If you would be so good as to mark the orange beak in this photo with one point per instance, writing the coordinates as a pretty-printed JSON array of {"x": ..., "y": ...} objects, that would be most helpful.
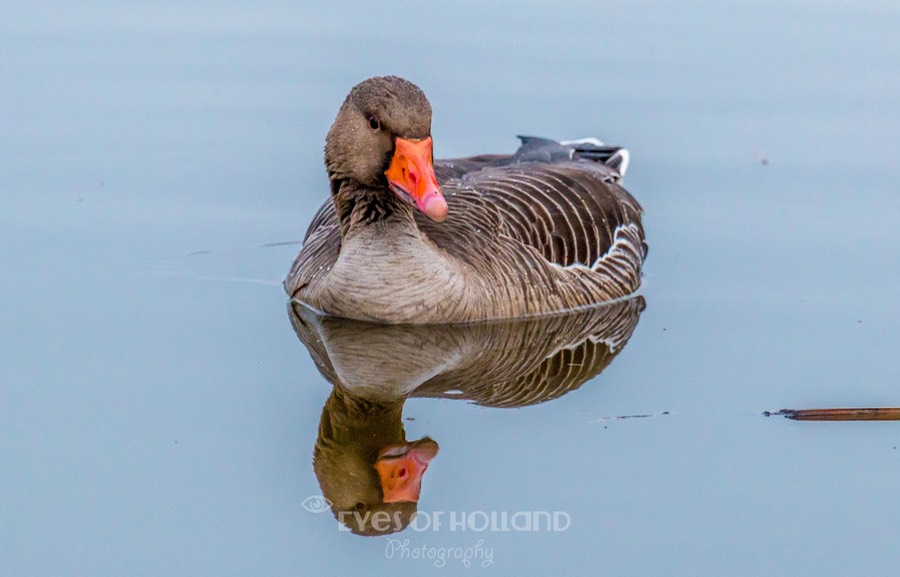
[
  {"x": 411, "y": 176},
  {"x": 401, "y": 467}
]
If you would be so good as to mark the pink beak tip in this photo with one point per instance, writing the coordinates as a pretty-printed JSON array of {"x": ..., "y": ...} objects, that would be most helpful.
[{"x": 435, "y": 207}]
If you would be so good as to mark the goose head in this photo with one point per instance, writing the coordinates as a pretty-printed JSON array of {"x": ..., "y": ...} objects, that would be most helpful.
[{"x": 381, "y": 141}]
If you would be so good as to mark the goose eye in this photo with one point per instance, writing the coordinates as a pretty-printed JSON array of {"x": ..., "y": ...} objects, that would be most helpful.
[{"x": 373, "y": 123}]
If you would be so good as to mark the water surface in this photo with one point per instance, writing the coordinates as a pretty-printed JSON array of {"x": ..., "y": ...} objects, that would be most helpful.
[{"x": 159, "y": 165}]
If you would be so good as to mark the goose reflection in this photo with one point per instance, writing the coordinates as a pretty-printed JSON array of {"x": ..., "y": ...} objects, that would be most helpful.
[{"x": 367, "y": 469}]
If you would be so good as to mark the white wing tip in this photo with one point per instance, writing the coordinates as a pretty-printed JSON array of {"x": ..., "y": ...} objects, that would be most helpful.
[
  {"x": 618, "y": 161},
  {"x": 624, "y": 159}
]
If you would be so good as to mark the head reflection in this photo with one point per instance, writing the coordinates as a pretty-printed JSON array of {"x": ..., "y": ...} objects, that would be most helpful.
[
  {"x": 371, "y": 474},
  {"x": 361, "y": 460}
]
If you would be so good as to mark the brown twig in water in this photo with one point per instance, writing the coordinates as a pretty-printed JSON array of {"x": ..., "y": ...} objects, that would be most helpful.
[{"x": 867, "y": 414}]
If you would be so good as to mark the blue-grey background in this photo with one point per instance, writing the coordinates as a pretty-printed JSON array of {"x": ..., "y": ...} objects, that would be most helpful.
[{"x": 157, "y": 413}]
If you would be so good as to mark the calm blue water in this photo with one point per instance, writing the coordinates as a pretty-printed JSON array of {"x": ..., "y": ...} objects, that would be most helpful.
[{"x": 158, "y": 413}]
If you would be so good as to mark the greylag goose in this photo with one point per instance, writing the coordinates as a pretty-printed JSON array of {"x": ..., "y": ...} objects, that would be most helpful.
[{"x": 405, "y": 239}]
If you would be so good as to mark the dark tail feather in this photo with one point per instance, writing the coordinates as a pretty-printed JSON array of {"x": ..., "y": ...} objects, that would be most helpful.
[
  {"x": 536, "y": 148},
  {"x": 615, "y": 157}
]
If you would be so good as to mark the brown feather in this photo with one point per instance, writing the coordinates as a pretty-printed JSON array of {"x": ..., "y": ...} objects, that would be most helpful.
[{"x": 545, "y": 230}]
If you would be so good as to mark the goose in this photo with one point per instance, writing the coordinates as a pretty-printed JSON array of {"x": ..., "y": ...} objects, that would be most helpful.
[{"x": 405, "y": 239}]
